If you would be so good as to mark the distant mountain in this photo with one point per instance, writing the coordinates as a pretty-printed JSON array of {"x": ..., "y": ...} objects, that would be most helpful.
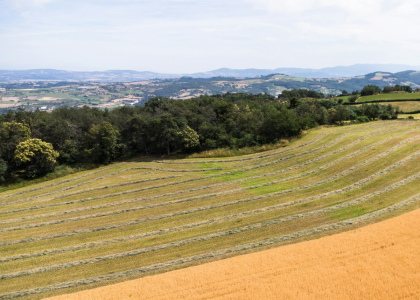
[
  {"x": 333, "y": 72},
  {"x": 129, "y": 75}
]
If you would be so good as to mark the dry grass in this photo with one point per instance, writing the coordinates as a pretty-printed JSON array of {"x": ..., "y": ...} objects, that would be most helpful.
[
  {"x": 379, "y": 261},
  {"x": 405, "y": 116}
]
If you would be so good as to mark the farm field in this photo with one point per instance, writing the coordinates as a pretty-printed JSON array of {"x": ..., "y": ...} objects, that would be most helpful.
[
  {"x": 390, "y": 96},
  {"x": 134, "y": 219},
  {"x": 334, "y": 267},
  {"x": 405, "y": 116}
]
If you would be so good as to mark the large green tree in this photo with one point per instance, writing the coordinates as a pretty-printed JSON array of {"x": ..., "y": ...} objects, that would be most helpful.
[
  {"x": 11, "y": 134},
  {"x": 34, "y": 158},
  {"x": 101, "y": 143}
]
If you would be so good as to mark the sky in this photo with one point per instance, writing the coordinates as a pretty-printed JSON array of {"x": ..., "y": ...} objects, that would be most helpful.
[{"x": 186, "y": 36}]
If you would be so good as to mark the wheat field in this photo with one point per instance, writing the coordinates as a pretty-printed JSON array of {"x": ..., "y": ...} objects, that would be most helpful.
[
  {"x": 376, "y": 262},
  {"x": 134, "y": 219}
]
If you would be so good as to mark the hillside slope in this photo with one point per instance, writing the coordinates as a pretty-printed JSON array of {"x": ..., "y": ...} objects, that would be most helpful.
[{"x": 132, "y": 219}]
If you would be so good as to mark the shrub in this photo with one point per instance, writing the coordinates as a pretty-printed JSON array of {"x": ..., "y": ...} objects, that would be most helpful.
[
  {"x": 385, "y": 116},
  {"x": 410, "y": 117},
  {"x": 353, "y": 98},
  {"x": 362, "y": 119}
]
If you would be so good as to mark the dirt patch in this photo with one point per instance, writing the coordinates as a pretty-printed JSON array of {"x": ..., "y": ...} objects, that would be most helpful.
[
  {"x": 380, "y": 76},
  {"x": 16, "y": 99},
  {"x": 379, "y": 261},
  {"x": 3, "y": 105},
  {"x": 49, "y": 99}
]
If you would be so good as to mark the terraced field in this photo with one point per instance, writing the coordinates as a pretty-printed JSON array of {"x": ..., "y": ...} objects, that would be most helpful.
[{"x": 134, "y": 219}]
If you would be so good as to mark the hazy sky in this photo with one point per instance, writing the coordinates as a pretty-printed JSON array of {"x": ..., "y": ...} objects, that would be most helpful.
[{"x": 181, "y": 36}]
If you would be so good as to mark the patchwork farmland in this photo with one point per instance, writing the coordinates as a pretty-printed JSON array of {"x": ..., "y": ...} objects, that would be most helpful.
[{"x": 135, "y": 219}]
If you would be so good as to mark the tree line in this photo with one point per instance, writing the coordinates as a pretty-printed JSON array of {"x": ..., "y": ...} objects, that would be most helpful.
[{"x": 32, "y": 143}]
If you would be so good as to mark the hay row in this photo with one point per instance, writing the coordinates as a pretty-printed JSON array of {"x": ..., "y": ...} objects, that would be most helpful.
[
  {"x": 204, "y": 177},
  {"x": 160, "y": 217},
  {"x": 98, "y": 171},
  {"x": 335, "y": 141},
  {"x": 212, "y": 235},
  {"x": 222, "y": 183},
  {"x": 212, "y": 185},
  {"x": 317, "y": 138},
  {"x": 213, "y": 254},
  {"x": 59, "y": 182},
  {"x": 93, "y": 189},
  {"x": 112, "y": 213},
  {"x": 349, "y": 188}
]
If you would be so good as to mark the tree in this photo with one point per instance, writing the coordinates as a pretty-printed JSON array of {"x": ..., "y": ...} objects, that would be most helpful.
[
  {"x": 102, "y": 143},
  {"x": 370, "y": 90},
  {"x": 294, "y": 102},
  {"x": 279, "y": 124},
  {"x": 372, "y": 111},
  {"x": 353, "y": 99},
  {"x": 34, "y": 158},
  {"x": 189, "y": 137},
  {"x": 3, "y": 170},
  {"x": 168, "y": 131},
  {"x": 136, "y": 135},
  {"x": 344, "y": 92},
  {"x": 388, "y": 89},
  {"x": 11, "y": 134}
]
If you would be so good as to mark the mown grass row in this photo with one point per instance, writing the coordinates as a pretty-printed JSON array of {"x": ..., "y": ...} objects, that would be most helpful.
[{"x": 351, "y": 187}]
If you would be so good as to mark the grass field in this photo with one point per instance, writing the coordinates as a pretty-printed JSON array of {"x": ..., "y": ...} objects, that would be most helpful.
[
  {"x": 134, "y": 219},
  {"x": 390, "y": 97},
  {"x": 405, "y": 116}
]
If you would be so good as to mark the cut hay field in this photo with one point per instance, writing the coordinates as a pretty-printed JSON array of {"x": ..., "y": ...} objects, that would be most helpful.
[{"x": 135, "y": 219}]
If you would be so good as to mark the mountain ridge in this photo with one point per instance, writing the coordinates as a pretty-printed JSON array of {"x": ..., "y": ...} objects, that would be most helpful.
[{"x": 132, "y": 75}]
